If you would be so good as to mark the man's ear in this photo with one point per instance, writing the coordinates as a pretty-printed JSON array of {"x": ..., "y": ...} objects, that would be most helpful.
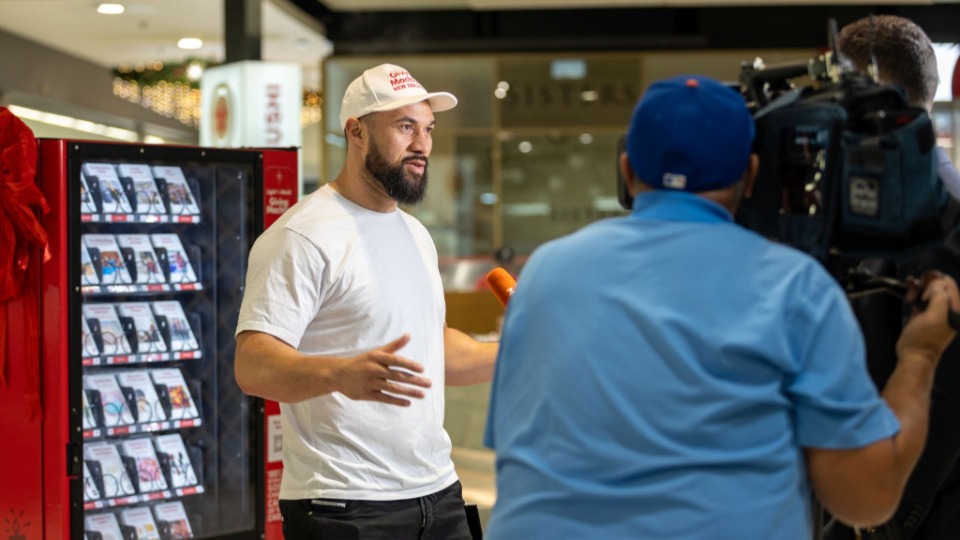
[
  {"x": 353, "y": 131},
  {"x": 750, "y": 175},
  {"x": 626, "y": 172}
]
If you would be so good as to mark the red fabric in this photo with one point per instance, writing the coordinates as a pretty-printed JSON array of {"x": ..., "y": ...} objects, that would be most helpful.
[
  {"x": 956, "y": 81},
  {"x": 21, "y": 238}
]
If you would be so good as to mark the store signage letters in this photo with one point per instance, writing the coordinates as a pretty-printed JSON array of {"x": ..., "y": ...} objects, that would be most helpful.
[
  {"x": 273, "y": 118},
  {"x": 566, "y": 94}
]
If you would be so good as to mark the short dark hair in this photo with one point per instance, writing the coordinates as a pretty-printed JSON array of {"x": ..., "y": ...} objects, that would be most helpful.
[{"x": 903, "y": 52}]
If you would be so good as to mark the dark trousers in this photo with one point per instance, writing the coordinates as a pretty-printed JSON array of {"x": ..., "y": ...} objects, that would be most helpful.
[{"x": 439, "y": 516}]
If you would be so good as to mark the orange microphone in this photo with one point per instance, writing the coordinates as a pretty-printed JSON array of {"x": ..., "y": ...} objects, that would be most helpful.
[{"x": 502, "y": 284}]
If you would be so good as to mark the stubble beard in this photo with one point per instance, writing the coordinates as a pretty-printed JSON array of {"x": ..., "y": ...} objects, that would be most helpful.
[{"x": 401, "y": 186}]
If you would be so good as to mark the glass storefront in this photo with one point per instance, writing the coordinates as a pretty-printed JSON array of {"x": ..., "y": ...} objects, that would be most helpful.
[{"x": 529, "y": 154}]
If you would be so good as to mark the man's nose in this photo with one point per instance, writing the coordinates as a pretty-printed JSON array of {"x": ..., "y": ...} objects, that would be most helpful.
[{"x": 422, "y": 142}]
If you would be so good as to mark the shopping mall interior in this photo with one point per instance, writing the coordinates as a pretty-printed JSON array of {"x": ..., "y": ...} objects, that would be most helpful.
[{"x": 545, "y": 89}]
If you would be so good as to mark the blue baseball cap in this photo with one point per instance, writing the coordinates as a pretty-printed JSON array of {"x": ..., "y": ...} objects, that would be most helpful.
[{"x": 690, "y": 133}]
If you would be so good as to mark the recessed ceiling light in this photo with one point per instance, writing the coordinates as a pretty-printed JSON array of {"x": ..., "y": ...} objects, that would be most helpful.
[
  {"x": 110, "y": 9},
  {"x": 190, "y": 43}
]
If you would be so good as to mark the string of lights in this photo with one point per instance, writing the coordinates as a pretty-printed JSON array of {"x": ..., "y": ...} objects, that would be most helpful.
[{"x": 173, "y": 90}]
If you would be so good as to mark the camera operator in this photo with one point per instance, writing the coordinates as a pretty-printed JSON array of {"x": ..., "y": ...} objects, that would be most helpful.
[
  {"x": 670, "y": 374},
  {"x": 905, "y": 58},
  {"x": 930, "y": 507}
]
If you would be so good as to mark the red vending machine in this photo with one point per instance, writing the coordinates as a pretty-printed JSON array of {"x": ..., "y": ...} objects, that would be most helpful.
[{"x": 144, "y": 434}]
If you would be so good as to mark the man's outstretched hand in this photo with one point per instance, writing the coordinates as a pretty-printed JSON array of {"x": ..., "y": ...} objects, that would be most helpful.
[{"x": 380, "y": 375}]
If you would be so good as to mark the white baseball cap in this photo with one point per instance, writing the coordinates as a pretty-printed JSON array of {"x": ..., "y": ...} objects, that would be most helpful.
[{"x": 385, "y": 88}]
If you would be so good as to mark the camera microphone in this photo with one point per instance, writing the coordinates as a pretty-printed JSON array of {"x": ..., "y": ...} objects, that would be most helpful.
[{"x": 502, "y": 284}]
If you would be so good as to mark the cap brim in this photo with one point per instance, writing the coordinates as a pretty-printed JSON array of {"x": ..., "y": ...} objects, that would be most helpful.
[{"x": 439, "y": 101}]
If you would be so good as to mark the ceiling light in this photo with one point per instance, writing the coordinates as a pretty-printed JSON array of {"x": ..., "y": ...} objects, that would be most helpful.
[
  {"x": 110, "y": 9},
  {"x": 190, "y": 43},
  {"x": 74, "y": 123},
  {"x": 573, "y": 68}
]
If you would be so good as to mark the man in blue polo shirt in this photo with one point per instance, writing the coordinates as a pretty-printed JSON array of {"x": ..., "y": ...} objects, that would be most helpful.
[{"x": 672, "y": 375}]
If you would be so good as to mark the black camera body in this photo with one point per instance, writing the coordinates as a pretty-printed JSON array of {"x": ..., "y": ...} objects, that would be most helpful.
[{"x": 848, "y": 168}]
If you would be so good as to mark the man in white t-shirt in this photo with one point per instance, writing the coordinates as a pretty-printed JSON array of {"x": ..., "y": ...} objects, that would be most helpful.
[{"x": 343, "y": 323}]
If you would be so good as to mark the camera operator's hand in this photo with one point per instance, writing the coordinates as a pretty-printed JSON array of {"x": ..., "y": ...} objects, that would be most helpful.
[
  {"x": 929, "y": 331},
  {"x": 864, "y": 485}
]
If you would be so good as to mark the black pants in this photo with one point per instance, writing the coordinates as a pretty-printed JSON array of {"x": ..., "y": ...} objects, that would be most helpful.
[{"x": 439, "y": 516}]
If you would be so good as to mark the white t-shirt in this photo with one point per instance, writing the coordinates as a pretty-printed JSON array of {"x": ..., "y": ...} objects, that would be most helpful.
[{"x": 332, "y": 278}]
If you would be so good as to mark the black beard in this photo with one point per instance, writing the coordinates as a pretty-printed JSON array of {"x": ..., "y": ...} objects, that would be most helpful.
[{"x": 400, "y": 186}]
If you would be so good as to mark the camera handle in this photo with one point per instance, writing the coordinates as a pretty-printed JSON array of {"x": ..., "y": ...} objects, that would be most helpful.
[{"x": 863, "y": 283}]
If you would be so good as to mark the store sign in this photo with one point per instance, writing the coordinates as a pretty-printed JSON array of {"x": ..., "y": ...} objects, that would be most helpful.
[
  {"x": 566, "y": 95},
  {"x": 251, "y": 104},
  {"x": 571, "y": 92},
  {"x": 273, "y": 115},
  {"x": 221, "y": 114}
]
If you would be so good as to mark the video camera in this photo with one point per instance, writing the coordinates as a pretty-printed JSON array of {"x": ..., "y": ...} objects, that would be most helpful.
[{"x": 848, "y": 169}]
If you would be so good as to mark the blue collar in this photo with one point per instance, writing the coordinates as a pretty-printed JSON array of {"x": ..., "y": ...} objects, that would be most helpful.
[{"x": 664, "y": 205}]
